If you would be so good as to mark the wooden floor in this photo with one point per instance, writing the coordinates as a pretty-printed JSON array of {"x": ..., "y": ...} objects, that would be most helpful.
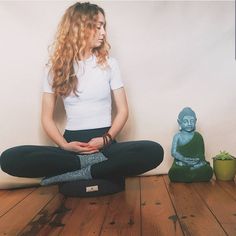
[{"x": 149, "y": 206}]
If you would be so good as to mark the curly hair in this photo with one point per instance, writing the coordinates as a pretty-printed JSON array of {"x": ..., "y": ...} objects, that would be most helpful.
[{"x": 74, "y": 30}]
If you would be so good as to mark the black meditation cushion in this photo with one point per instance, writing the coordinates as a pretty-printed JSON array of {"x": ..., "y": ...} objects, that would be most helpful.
[{"x": 92, "y": 187}]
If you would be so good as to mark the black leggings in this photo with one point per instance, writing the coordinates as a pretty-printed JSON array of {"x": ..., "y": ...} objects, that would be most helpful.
[{"x": 124, "y": 159}]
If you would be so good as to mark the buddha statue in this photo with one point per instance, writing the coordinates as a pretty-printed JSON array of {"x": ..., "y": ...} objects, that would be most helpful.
[{"x": 189, "y": 152}]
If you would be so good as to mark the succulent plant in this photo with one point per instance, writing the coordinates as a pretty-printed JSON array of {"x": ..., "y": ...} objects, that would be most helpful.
[{"x": 223, "y": 155}]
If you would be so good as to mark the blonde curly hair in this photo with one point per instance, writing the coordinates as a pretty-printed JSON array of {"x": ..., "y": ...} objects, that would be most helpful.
[{"x": 74, "y": 30}]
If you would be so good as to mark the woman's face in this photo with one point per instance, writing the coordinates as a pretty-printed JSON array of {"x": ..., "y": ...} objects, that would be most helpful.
[{"x": 97, "y": 37}]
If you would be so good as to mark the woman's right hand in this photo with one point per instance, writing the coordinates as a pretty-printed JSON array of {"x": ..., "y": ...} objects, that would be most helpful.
[{"x": 80, "y": 147}]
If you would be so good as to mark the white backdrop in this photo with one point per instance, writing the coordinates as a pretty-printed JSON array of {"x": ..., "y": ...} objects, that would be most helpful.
[{"x": 172, "y": 54}]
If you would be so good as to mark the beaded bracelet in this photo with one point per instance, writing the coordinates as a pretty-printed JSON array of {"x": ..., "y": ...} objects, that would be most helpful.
[{"x": 107, "y": 139}]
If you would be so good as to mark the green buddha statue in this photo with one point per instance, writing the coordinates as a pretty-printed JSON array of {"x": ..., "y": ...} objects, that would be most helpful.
[{"x": 189, "y": 152}]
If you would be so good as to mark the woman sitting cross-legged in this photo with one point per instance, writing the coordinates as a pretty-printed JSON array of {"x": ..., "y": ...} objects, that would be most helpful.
[{"x": 83, "y": 74}]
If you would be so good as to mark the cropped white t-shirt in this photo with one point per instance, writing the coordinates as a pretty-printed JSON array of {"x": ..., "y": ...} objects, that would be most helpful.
[{"x": 92, "y": 108}]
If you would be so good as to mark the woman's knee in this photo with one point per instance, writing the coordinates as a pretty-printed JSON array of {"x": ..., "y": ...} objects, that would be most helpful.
[
  {"x": 154, "y": 153},
  {"x": 5, "y": 159},
  {"x": 10, "y": 159}
]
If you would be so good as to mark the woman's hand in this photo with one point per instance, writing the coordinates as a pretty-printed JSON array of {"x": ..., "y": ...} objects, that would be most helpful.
[
  {"x": 80, "y": 147},
  {"x": 96, "y": 142}
]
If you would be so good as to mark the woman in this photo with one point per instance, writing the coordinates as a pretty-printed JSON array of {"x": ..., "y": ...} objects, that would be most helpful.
[{"x": 87, "y": 79}]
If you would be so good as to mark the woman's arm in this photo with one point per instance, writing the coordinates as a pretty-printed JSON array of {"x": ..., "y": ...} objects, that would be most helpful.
[
  {"x": 120, "y": 101},
  {"x": 122, "y": 111},
  {"x": 48, "y": 106}
]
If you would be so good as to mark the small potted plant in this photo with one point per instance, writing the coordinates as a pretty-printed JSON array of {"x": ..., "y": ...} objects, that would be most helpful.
[{"x": 224, "y": 166}]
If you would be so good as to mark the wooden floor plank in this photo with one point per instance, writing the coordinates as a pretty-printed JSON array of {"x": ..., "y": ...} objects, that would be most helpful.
[
  {"x": 158, "y": 215},
  {"x": 62, "y": 216},
  {"x": 222, "y": 204},
  {"x": 39, "y": 225},
  {"x": 195, "y": 217},
  {"x": 229, "y": 187},
  {"x": 9, "y": 198},
  {"x": 87, "y": 217},
  {"x": 18, "y": 217},
  {"x": 123, "y": 215}
]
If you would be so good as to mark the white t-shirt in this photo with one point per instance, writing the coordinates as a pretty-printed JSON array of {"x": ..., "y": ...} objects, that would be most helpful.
[{"x": 92, "y": 108}]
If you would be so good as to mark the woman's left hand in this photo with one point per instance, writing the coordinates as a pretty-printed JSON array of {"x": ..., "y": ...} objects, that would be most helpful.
[{"x": 96, "y": 142}]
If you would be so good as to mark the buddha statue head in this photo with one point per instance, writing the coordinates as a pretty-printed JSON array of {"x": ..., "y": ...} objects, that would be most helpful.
[{"x": 187, "y": 120}]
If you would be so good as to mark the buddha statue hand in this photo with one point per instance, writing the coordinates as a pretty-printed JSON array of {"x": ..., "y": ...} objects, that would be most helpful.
[
  {"x": 187, "y": 161},
  {"x": 198, "y": 165}
]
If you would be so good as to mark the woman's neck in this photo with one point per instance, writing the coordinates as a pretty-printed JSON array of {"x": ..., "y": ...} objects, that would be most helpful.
[{"x": 87, "y": 55}]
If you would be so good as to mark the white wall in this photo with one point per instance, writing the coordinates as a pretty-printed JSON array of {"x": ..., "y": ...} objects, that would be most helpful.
[{"x": 172, "y": 54}]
